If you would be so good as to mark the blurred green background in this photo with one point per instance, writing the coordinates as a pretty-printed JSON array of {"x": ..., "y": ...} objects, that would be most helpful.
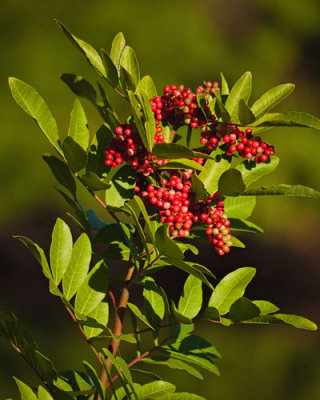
[{"x": 176, "y": 42}]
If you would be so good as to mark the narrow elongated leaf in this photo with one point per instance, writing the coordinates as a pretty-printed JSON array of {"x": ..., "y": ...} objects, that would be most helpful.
[
  {"x": 200, "y": 360},
  {"x": 251, "y": 172},
  {"x": 34, "y": 105},
  {"x": 95, "y": 379},
  {"x": 265, "y": 307},
  {"x": 86, "y": 49},
  {"x": 78, "y": 129},
  {"x": 241, "y": 90},
  {"x": 93, "y": 290},
  {"x": 243, "y": 225},
  {"x": 60, "y": 250},
  {"x": 166, "y": 245},
  {"x": 285, "y": 319},
  {"x": 118, "y": 45},
  {"x": 61, "y": 172},
  {"x": 212, "y": 171},
  {"x": 290, "y": 118},
  {"x": 25, "y": 391},
  {"x": 136, "y": 116},
  {"x": 182, "y": 163},
  {"x": 155, "y": 389},
  {"x": 245, "y": 114},
  {"x": 172, "y": 151},
  {"x": 43, "y": 394},
  {"x": 74, "y": 153},
  {"x": 38, "y": 253},
  {"x": 231, "y": 183},
  {"x": 146, "y": 217},
  {"x": 243, "y": 309},
  {"x": 225, "y": 116},
  {"x": 73, "y": 380},
  {"x": 178, "y": 316},
  {"x": 191, "y": 300},
  {"x": 194, "y": 269},
  {"x": 136, "y": 311},
  {"x": 99, "y": 314},
  {"x": 78, "y": 266},
  {"x": 147, "y": 86},
  {"x": 80, "y": 86},
  {"x": 174, "y": 363},
  {"x": 231, "y": 288},
  {"x": 224, "y": 85},
  {"x": 110, "y": 68},
  {"x": 153, "y": 301},
  {"x": 129, "y": 62},
  {"x": 271, "y": 98},
  {"x": 150, "y": 124},
  {"x": 93, "y": 182},
  {"x": 239, "y": 206},
  {"x": 284, "y": 190}
]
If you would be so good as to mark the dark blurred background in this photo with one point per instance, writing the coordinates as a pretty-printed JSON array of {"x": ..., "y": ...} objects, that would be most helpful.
[{"x": 176, "y": 42}]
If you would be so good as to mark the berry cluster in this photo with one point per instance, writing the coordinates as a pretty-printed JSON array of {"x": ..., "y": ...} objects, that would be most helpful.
[
  {"x": 174, "y": 202},
  {"x": 235, "y": 141},
  {"x": 127, "y": 146},
  {"x": 171, "y": 198}
]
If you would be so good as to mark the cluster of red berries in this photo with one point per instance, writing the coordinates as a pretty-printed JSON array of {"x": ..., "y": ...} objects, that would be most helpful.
[
  {"x": 235, "y": 141},
  {"x": 127, "y": 146},
  {"x": 174, "y": 202},
  {"x": 178, "y": 106}
]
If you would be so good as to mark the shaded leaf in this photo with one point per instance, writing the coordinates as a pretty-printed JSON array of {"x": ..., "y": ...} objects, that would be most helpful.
[
  {"x": 129, "y": 62},
  {"x": 285, "y": 319},
  {"x": 110, "y": 68},
  {"x": 252, "y": 171},
  {"x": 245, "y": 114},
  {"x": 75, "y": 155},
  {"x": 61, "y": 172},
  {"x": 243, "y": 309},
  {"x": 167, "y": 246},
  {"x": 80, "y": 86},
  {"x": 231, "y": 183}
]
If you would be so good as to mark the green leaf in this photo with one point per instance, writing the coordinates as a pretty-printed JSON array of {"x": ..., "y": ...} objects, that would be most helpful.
[
  {"x": 224, "y": 85},
  {"x": 191, "y": 300},
  {"x": 290, "y": 118},
  {"x": 25, "y": 391},
  {"x": 126, "y": 80},
  {"x": 147, "y": 86},
  {"x": 231, "y": 288},
  {"x": 194, "y": 269},
  {"x": 38, "y": 253},
  {"x": 212, "y": 171},
  {"x": 146, "y": 217},
  {"x": 237, "y": 242},
  {"x": 244, "y": 226},
  {"x": 61, "y": 172},
  {"x": 153, "y": 301},
  {"x": 271, "y": 98},
  {"x": 245, "y": 114},
  {"x": 122, "y": 187},
  {"x": 93, "y": 182},
  {"x": 60, "y": 250},
  {"x": 93, "y": 290},
  {"x": 80, "y": 86},
  {"x": 182, "y": 163},
  {"x": 241, "y": 90},
  {"x": 75, "y": 155},
  {"x": 95, "y": 379},
  {"x": 34, "y": 105},
  {"x": 285, "y": 319},
  {"x": 78, "y": 129},
  {"x": 155, "y": 389},
  {"x": 136, "y": 311},
  {"x": 243, "y": 309},
  {"x": 43, "y": 394},
  {"x": 99, "y": 314},
  {"x": 284, "y": 190},
  {"x": 212, "y": 313},
  {"x": 73, "y": 381},
  {"x": 118, "y": 45},
  {"x": 231, "y": 183},
  {"x": 265, "y": 307},
  {"x": 222, "y": 109},
  {"x": 181, "y": 396},
  {"x": 86, "y": 49},
  {"x": 78, "y": 266},
  {"x": 239, "y": 207},
  {"x": 198, "y": 188},
  {"x": 136, "y": 112},
  {"x": 252, "y": 171},
  {"x": 173, "y": 364},
  {"x": 172, "y": 151},
  {"x": 167, "y": 246},
  {"x": 110, "y": 68},
  {"x": 129, "y": 62},
  {"x": 179, "y": 318}
]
